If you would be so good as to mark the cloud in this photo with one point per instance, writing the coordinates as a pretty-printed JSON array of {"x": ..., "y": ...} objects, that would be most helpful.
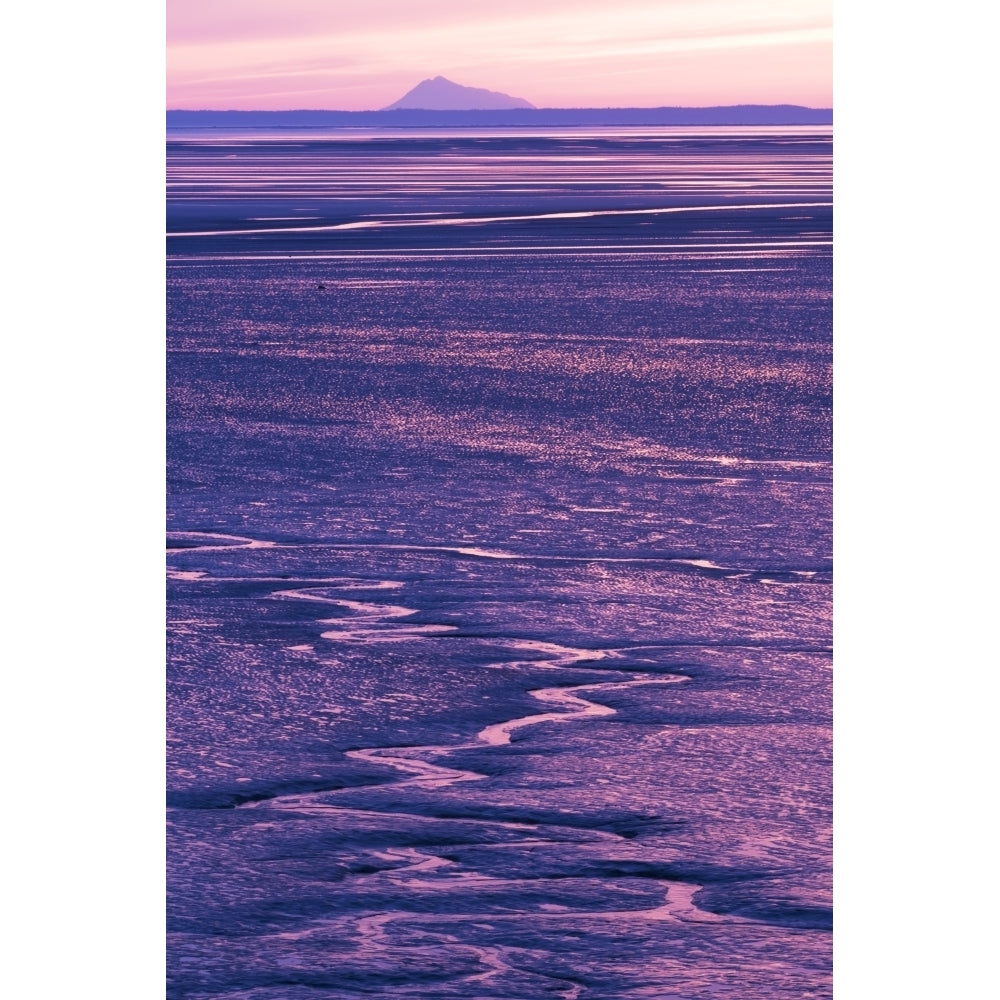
[{"x": 526, "y": 47}]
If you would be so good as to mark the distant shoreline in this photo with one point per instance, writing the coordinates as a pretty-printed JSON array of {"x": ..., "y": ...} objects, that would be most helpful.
[{"x": 737, "y": 114}]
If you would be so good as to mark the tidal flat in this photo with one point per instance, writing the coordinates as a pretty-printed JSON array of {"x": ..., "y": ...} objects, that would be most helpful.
[{"x": 499, "y": 564}]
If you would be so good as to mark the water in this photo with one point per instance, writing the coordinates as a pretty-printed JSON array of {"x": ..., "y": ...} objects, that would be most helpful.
[{"x": 499, "y": 564}]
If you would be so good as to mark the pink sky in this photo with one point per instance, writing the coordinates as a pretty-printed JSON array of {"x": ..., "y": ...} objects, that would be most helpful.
[{"x": 364, "y": 54}]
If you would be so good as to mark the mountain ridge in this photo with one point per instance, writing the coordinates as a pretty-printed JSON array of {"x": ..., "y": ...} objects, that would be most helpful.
[{"x": 440, "y": 94}]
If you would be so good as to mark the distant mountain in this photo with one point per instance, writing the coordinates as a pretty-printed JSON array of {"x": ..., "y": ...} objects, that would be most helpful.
[{"x": 440, "y": 94}]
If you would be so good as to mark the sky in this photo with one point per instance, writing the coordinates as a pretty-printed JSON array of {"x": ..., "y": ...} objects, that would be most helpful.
[{"x": 350, "y": 56}]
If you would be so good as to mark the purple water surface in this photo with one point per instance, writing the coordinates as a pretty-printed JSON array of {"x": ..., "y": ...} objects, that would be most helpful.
[{"x": 499, "y": 565}]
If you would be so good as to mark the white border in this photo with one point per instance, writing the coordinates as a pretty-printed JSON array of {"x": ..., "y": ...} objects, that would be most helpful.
[
  {"x": 83, "y": 407},
  {"x": 914, "y": 505}
]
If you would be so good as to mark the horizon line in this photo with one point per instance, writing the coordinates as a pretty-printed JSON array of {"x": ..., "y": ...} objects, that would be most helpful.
[{"x": 610, "y": 107}]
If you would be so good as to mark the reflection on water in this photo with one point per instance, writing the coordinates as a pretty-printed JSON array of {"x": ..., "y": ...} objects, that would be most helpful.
[
  {"x": 498, "y": 186},
  {"x": 499, "y": 564}
]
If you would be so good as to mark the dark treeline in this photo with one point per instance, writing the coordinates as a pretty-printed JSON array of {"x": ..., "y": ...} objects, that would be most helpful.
[{"x": 740, "y": 114}]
